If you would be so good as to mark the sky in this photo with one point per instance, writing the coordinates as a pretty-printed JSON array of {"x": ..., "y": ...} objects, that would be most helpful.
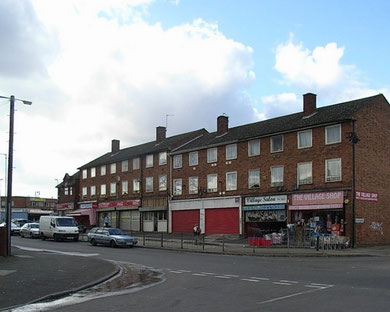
[{"x": 100, "y": 70}]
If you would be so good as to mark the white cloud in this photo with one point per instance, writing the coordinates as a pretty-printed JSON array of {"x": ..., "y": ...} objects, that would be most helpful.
[{"x": 281, "y": 104}]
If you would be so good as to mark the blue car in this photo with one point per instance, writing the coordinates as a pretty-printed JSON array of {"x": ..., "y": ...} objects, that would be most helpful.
[{"x": 112, "y": 237}]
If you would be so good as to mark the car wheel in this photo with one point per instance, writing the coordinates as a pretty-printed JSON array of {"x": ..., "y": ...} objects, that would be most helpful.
[
  {"x": 112, "y": 244},
  {"x": 93, "y": 242}
]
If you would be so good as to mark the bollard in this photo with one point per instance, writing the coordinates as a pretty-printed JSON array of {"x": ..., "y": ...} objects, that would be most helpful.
[
  {"x": 318, "y": 243},
  {"x": 143, "y": 236},
  {"x": 223, "y": 243},
  {"x": 181, "y": 240},
  {"x": 203, "y": 242},
  {"x": 162, "y": 239}
]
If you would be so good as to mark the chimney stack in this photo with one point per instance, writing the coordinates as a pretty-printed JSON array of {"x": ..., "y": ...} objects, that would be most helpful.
[
  {"x": 160, "y": 134},
  {"x": 309, "y": 103},
  {"x": 222, "y": 124},
  {"x": 115, "y": 146}
]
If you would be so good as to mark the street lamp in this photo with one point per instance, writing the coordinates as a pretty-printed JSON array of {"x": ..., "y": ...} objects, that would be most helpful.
[{"x": 10, "y": 165}]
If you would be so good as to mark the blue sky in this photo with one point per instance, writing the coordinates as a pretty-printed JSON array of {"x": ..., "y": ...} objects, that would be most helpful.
[{"x": 101, "y": 70}]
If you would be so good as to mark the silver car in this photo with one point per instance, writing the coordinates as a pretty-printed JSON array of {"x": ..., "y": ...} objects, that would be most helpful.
[
  {"x": 15, "y": 228},
  {"x": 30, "y": 230},
  {"x": 111, "y": 237}
]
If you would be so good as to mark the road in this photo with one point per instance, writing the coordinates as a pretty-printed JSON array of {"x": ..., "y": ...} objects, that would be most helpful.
[{"x": 205, "y": 282}]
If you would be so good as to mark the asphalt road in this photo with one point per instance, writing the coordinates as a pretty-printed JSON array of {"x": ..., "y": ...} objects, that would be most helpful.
[{"x": 205, "y": 282}]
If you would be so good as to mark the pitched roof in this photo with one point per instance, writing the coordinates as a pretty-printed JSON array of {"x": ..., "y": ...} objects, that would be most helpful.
[
  {"x": 72, "y": 179},
  {"x": 143, "y": 149},
  {"x": 322, "y": 115}
]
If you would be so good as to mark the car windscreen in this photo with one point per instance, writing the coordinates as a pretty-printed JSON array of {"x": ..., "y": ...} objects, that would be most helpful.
[
  {"x": 65, "y": 222},
  {"x": 116, "y": 232},
  {"x": 34, "y": 226}
]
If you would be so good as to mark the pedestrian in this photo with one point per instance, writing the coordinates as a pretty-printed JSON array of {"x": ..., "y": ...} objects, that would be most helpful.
[
  {"x": 197, "y": 232},
  {"x": 106, "y": 221}
]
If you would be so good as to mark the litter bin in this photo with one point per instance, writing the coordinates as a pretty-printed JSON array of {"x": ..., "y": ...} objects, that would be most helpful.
[{"x": 3, "y": 241}]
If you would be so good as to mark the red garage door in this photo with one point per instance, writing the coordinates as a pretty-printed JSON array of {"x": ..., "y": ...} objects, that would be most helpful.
[
  {"x": 222, "y": 221},
  {"x": 183, "y": 221}
]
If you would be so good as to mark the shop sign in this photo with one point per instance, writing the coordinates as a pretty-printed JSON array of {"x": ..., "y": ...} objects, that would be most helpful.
[
  {"x": 370, "y": 196},
  {"x": 88, "y": 205},
  {"x": 359, "y": 220},
  {"x": 266, "y": 200},
  {"x": 318, "y": 198},
  {"x": 122, "y": 203},
  {"x": 264, "y": 207},
  {"x": 64, "y": 206}
]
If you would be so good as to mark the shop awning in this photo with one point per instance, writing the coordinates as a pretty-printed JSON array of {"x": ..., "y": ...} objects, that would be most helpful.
[
  {"x": 316, "y": 207},
  {"x": 78, "y": 212},
  {"x": 40, "y": 212}
]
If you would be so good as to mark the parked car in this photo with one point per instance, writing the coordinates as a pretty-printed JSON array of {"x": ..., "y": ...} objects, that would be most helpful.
[
  {"x": 111, "y": 237},
  {"x": 20, "y": 221},
  {"x": 58, "y": 228},
  {"x": 15, "y": 228},
  {"x": 30, "y": 230}
]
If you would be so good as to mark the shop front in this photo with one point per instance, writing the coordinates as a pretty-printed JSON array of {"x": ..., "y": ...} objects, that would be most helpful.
[
  {"x": 62, "y": 209},
  {"x": 321, "y": 212},
  {"x": 85, "y": 215},
  {"x": 265, "y": 214}
]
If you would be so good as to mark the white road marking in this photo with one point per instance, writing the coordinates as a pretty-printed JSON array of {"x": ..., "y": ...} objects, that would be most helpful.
[
  {"x": 198, "y": 274},
  {"x": 286, "y": 281},
  {"x": 6, "y": 272},
  {"x": 250, "y": 280},
  {"x": 260, "y": 278},
  {"x": 222, "y": 276},
  {"x": 280, "y": 283},
  {"x": 184, "y": 271},
  {"x": 176, "y": 272},
  {"x": 79, "y": 254},
  {"x": 230, "y": 275},
  {"x": 207, "y": 273}
]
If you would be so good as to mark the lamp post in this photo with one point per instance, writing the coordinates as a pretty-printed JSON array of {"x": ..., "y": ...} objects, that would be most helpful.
[{"x": 10, "y": 166}]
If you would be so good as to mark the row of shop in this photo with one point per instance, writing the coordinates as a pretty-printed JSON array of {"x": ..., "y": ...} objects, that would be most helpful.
[{"x": 251, "y": 215}]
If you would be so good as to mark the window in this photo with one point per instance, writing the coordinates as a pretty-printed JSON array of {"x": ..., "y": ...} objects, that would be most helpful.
[
  {"x": 85, "y": 174},
  {"x": 304, "y": 173},
  {"x": 193, "y": 159},
  {"x": 333, "y": 134},
  {"x": 149, "y": 184},
  {"x": 162, "y": 158},
  {"x": 254, "y": 148},
  {"x": 231, "y": 151},
  {"x": 162, "y": 183},
  {"x": 93, "y": 191},
  {"x": 125, "y": 187},
  {"x": 148, "y": 216},
  {"x": 103, "y": 190},
  {"x": 66, "y": 191},
  {"x": 149, "y": 161},
  {"x": 84, "y": 191},
  {"x": 231, "y": 181},
  {"x": 254, "y": 178},
  {"x": 112, "y": 188},
  {"x": 211, "y": 183},
  {"x": 193, "y": 185},
  {"x": 136, "y": 163},
  {"x": 177, "y": 161},
  {"x": 277, "y": 176},
  {"x": 71, "y": 191},
  {"x": 93, "y": 172},
  {"x": 125, "y": 165},
  {"x": 103, "y": 170},
  {"x": 304, "y": 139},
  {"x": 162, "y": 215},
  {"x": 177, "y": 187},
  {"x": 113, "y": 168},
  {"x": 277, "y": 144},
  {"x": 333, "y": 170},
  {"x": 212, "y": 155},
  {"x": 136, "y": 185}
]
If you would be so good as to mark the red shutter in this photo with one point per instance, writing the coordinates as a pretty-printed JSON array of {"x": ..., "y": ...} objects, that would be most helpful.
[
  {"x": 222, "y": 221},
  {"x": 183, "y": 221}
]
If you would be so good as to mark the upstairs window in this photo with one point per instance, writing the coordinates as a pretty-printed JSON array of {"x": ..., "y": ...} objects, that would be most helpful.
[
  {"x": 333, "y": 170},
  {"x": 84, "y": 191},
  {"x": 212, "y": 183},
  {"x": 177, "y": 187},
  {"x": 103, "y": 170},
  {"x": 162, "y": 183},
  {"x": 333, "y": 134},
  {"x": 113, "y": 168},
  {"x": 93, "y": 191},
  {"x": 212, "y": 155},
  {"x": 93, "y": 172},
  {"x": 193, "y": 159},
  {"x": 162, "y": 158},
  {"x": 177, "y": 161},
  {"x": 136, "y": 185},
  {"x": 103, "y": 190},
  {"x": 231, "y": 151},
  {"x": 149, "y": 161},
  {"x": 277, "y": 144},
  {"x": 277, "y": 176},
  {"x": 85, "y": 174},
  {"x": 254, "y": 178},
  {"x": 113, "y": 189},
  {"x": 254, "y": 148},
  {"x": 125, "y": 165},
  {"x": 136, "y": 162},
  {"x": 125, "y": 187},
  {"x": 304, "y": 173},
  {"x": 304, "y": 139},
  {"x": 149, "y": 184},
  {"x": 231, "y": 181},
  {"x": 193, "y": 185}
]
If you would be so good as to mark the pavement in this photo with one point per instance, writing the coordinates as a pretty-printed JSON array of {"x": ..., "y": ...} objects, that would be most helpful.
[{"x": 28, "y": 277}]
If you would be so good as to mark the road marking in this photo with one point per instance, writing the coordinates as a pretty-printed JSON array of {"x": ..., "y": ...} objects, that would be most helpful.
[
  {"x": 250, "y": 280},
  {"x": 286, "y": 281},
  {"x": 280, "y": 283},
  {"x": 230, "y": 275},
  {"x": 184, "y": 271},
  {"x": 322, "y": 285},
  {"x": 222, "y": 276},
  {"x": 207, "y": 273},
  {"x": 176, "y": 272},
  {"x": 79, "y": 254},
  {"x": 260, "y": 278},
  {"x": 24, "y": 256},
  {"x": 198, "y": 274},
  {"x": 6, "y": 272}
]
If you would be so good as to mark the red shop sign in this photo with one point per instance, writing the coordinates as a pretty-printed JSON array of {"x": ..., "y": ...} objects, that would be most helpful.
[
  {"x": 122, "y": 203},
  {"x": 370, "y": 196}
]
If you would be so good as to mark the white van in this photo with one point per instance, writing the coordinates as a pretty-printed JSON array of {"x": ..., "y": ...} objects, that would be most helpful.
[{"x": 58, "y": 228}]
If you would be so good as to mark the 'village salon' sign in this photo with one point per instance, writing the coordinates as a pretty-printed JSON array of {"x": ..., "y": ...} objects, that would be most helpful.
[
  {"x": 266, "y": 200},
  {"x": 336, "y": 197}
]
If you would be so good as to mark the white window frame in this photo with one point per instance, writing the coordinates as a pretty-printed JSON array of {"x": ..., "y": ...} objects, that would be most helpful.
[
  {"x": 125, "y": 165},
  {"x": 93, "y": 172},
  {"x": 85, "y": 174},
  {"x": 193, "y": 158},
  {"x": 253, "y": 148},
  {"x": 300, "y": 146},
  {"x": 308, "y": 180},
  {"x": 177, "y": 187},
  {"x": 231, "y": 151},
  {"x": 212, "y": 155},
  {"x": 177, "y": 161},
  {"x": 276, "y": 183},
  {"x": 84, "y": 191},
  {"x": 272, "y": 143},
  {"x": 103, "y": 190},
  {"x": 193, "y": 185},
  {"x": 136, "y": 163},
  {"x": 212, "y": 189},
  {"x": 112, "y": 189},
  {"x": 162, "y": 182},
  {"x": 231, "y": 175},
  {"x": 136, "y": 185},
  {"x": 149, "y": 161},
  {"x": 252, "y": 184},
  {"x": 113, "y": 168},
  {"x": 333, "y": 179},
  {"x": 326, "y": 134},
  {"x": 93, "y": 190},
  {"x": 103, "y": 170},
  {"x": 149, "y": 184},
  {"x": 162, "y": 158},
  {"x": 125, "y": 187}
]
